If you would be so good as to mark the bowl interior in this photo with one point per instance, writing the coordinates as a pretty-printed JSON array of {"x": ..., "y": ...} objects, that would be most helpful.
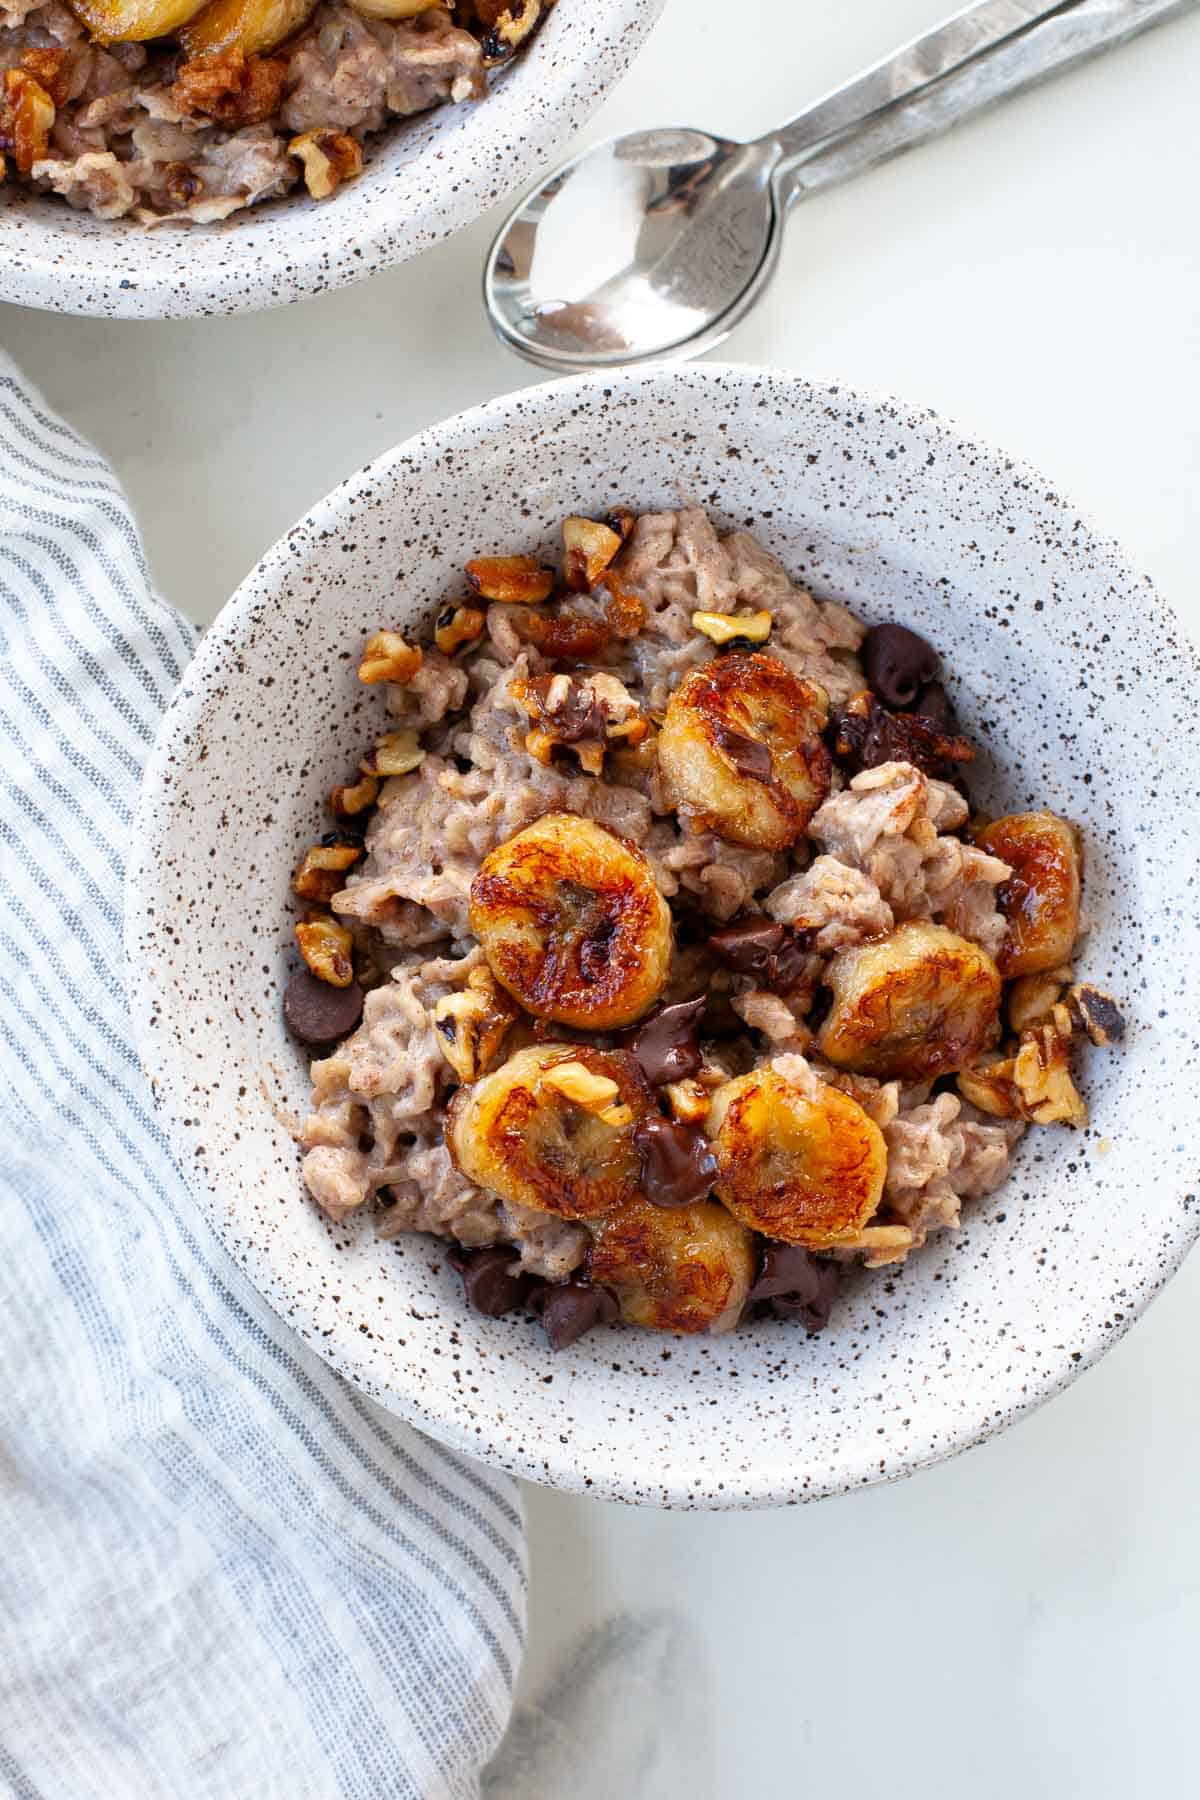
[
  {"x": 425, "y": 178},
  {"x": 1051, "y": 642}
]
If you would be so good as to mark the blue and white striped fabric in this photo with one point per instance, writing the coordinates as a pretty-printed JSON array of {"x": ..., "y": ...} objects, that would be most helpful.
[{"x": 222, "y": 1571}]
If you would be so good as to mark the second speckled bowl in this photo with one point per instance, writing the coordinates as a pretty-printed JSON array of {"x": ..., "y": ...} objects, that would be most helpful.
[
  {"x": 425, "y": 177},
  {"x": 1063, "y": 661}
]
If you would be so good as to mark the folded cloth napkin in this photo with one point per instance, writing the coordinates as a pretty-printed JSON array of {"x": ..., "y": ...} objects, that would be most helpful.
[{"x": 223, "y": 1572}]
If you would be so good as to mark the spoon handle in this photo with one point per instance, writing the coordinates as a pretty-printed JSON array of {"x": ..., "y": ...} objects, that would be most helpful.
[
  {"x": 914, "y": 66},
  {"x": 1067, "y": 36}
]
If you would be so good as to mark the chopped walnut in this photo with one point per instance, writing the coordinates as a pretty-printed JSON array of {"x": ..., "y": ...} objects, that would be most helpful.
[
  {"x": 329, "y": 158},
  {"x": 51, "y": 69},
  {"x": 522, "y": 580},
  {"x": 1035, "y": 1084},
  {"x": 230, "y": 87},
  {"x": 386, "y": 657},
  {"x": 589, "y": 548},
  {"x": 457, "y": 626},
  {"x": 1032, "y": 998},
  {"x": 472, "y": 1024},
  {"x": 395, "y": 753},
  {"x": 1097, "y": 1013},
  {"x": 690, "y": 1101},
  {"x": 326, "y": 946},
  {"x": 580, "y": 714},
  {"x": 512, "y": 26},
  {"x": 317, "y": 878},
  {"x": 1042, "y": 1078},
  {"x": 723, "y": 628},
  {"x": 27, "y": 119},
  {"x": 348, "y": 801},
  {"x": 574, "y": 1080}
]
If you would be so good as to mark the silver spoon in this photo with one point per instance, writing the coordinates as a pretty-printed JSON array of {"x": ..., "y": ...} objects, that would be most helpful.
[{"x": 658, "y": 243}]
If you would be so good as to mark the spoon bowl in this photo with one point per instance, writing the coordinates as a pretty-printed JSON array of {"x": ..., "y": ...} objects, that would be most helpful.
[{"x": 650, "y": 246}]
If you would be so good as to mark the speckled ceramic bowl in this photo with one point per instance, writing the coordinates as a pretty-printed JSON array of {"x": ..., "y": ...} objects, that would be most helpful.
[
  {"x": 426, "y": 178},
  {"x": 1064, "y": 664}
]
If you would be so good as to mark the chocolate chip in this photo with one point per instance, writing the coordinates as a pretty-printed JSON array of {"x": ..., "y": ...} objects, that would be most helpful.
[
  {"x": 318, "y": 1013},
  {"x": 571, "y": 1308},
  {"x": 757, "y": 946},
  {"x": 678, "y": 1166},
  {"x": 865, "y": 734},
  {"x": 490, "y": 1282},
  {"x": 747, "y": 945},
  {"x": 898, "y": 663},
  {"x": 749, "y": 755},
  {"x": 933, "y": 704},
  {"x": 666, "y": 1045},
  {"x": 796, "y": 1284}
]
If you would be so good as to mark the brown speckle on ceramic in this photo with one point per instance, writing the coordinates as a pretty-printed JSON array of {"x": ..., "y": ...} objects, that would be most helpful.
[
  {"x": 1062, "y": 660},
  {"x": 425, "y": 178}
]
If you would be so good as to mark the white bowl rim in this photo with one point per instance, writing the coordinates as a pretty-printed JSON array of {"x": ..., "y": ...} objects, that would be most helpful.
[
  {"x": 256, "y": 260},
  {"x": 566, "y": 1466}
]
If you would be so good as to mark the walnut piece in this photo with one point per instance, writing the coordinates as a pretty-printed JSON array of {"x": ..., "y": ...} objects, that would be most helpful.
[
  {"x": 27, "y": 119},
  {"x": 511, "y": 27},
  {"x": 231, "y": 87},
  {"x": 329, "y": 158},
  {"x": 458, "y": 625},
  {"x": 723, "y": 628},
  {"x": 395, "y": 753},
  {"x": 1042, "y": 1078},
  {"x": 319, "y": 875},
  {"x": 577, "y": 1083},
  {"x": 472, "y": 1024},
  {"x": 1035, "y": 1084},
  {"x": 690, "y": 1102},
  {"x": 1032, "y": 998},
  {"x": 325, "y": 946},
  {"x": 588, "y": 548},
  {"x": 522, "y": 580},
  {"x": 386, "y": 657},
  {"x": 347, "y": 802},
  {"x": 583, "y": 715},
  {"x": 1097, "y": 1013},
  {"x": 50, "y": 68}
]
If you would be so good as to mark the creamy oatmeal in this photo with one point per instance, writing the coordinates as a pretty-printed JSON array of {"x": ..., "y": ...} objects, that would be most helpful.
[{"x": 658, "y": 959}]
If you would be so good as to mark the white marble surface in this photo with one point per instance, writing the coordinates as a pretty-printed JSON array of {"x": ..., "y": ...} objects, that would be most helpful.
[{"x": 1024, "y": 1620}]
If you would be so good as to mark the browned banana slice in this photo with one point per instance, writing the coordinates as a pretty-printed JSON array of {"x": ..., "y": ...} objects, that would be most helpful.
[
  {"x": 552, "y": 1128},
  {"x": 684, "y": 1268},
  {"x": 252, "y": 26},
  {"x": 920, "y": 1002},
  {"x": 573, "y": 924},
  {"x": 741, "y": 751},
  {"x": 127, "y": 21},
  {"x": 797, "y": 1159},
  {"x": 1041, "y": 898}
]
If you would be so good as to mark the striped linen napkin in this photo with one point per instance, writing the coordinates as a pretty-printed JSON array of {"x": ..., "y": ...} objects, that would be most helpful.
[{"x": 223, "y": 1572}]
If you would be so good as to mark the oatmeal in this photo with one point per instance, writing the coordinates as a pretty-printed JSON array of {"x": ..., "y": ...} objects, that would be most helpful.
[
  {"x": 167, "y": 110},
  {"x": 658, "y": 961}
]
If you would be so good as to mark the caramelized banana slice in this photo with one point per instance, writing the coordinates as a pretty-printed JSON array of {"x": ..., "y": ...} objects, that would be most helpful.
[
  {"x": 572, "y": 923},
  {"x": 126, "y": 21},
  {"x": 683, "y": 1268},
  {"x": 797, "y": 1159},
  {"x": 253, "y": 26},
  {"x": 741, "y": 752},
  {"x": 1041, "y": 899},
  {"x": 921, "y": 1002},
  {"x": 523, "y": 1134}
]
